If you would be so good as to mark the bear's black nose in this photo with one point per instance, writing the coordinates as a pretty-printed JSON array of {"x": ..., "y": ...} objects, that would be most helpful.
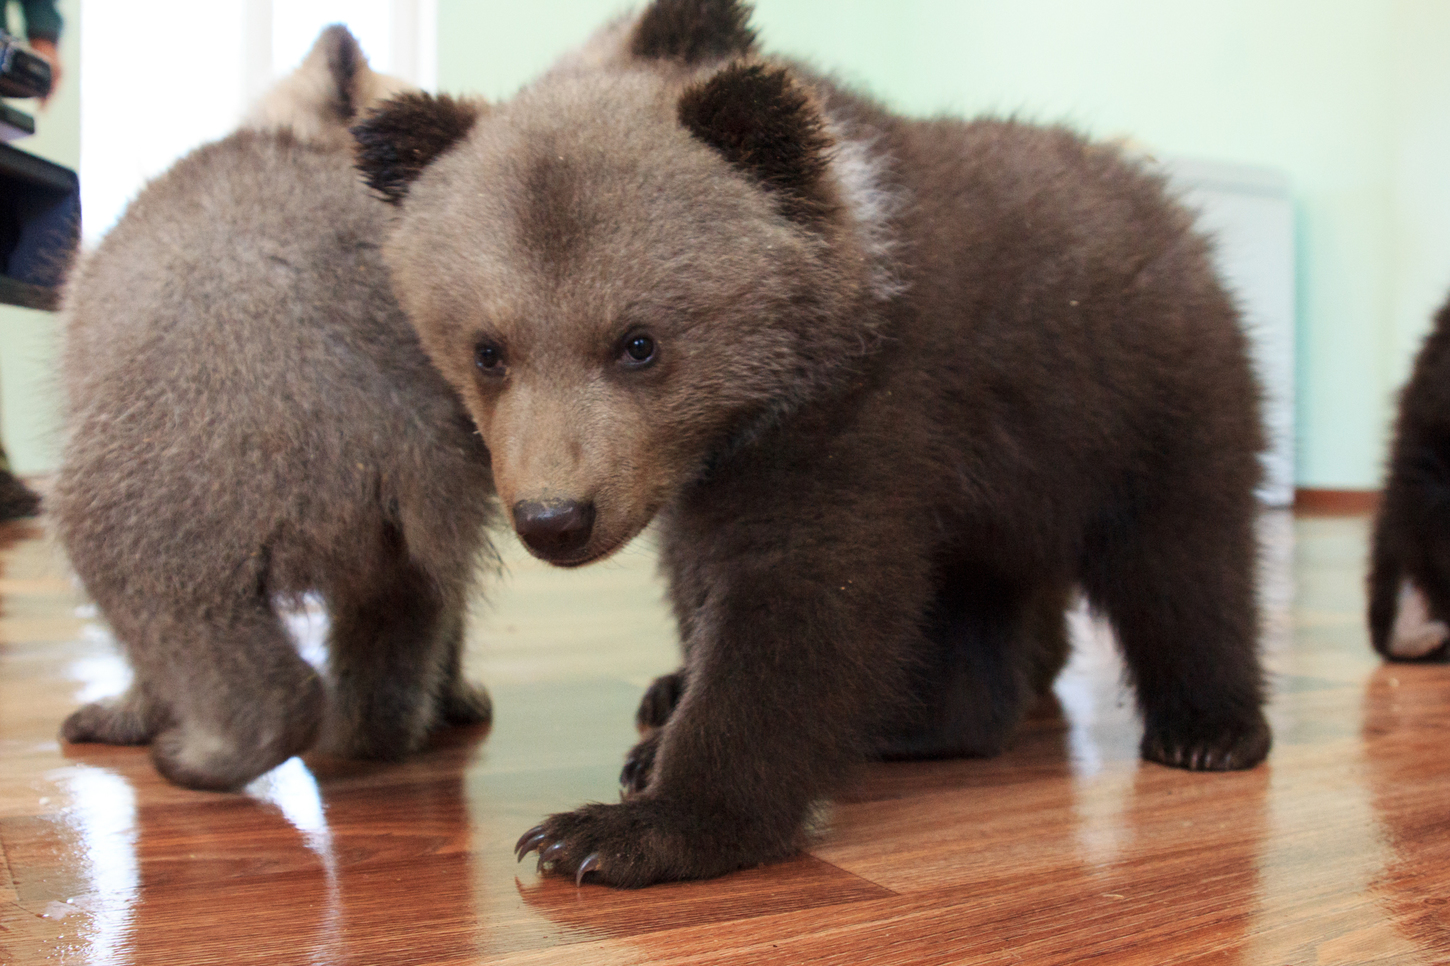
[{"x": 555, "y": 528}]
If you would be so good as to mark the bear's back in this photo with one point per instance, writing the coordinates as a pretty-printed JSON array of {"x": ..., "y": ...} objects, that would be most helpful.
[{"x": 237, "y": 368}]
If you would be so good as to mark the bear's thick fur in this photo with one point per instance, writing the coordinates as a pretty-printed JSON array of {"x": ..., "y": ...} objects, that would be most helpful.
[
  {"x": 251, "y": 418},
  {"x": 1409, "y": 582},
  {"x": 889, "y": 388}
]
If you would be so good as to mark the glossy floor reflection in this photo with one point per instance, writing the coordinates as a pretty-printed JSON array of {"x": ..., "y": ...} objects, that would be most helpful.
[{"x": 1064, "y": 850}]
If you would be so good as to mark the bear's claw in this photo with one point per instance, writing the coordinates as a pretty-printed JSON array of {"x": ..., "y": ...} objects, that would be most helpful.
[
  {"x": 529, "y": 841},
  {"x": 647, "y": 839},
  {"x": 590, "y": 863},
  {"x": 550, "y": 852}
]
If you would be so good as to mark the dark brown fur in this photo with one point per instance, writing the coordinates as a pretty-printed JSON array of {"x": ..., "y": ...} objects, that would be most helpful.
[
  {"x": 252, "y": 418},
  {"x": 763, "y": 122},
  {"x": 395, "y": 148},
  {"x": 693, "y": 31},
  {"x": 1411, "y": 547},
  {"x": 882, "y": 444}
]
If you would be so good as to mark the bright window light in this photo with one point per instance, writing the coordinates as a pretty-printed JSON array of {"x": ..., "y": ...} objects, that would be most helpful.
[
  {"x": 143, "y": 106},
  {"x": 296, "y": 24},
  {"x": 200, "y": 69}
]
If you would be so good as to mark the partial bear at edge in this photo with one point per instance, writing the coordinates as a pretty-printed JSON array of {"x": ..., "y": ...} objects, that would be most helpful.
[
  {"x": 251, "y": 418},
  {"x": 1409, "y": 579}
]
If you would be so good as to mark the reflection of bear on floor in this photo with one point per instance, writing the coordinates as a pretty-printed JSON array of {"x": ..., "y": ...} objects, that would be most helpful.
[
  {"x": 891, "y": 388},
  {"x": 1410, "y": 570}
]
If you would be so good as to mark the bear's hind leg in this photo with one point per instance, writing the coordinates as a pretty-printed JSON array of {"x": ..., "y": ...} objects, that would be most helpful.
[
  {"x": 1179, "y": 590},
  {"x": 394, "y": 664},
  {"x": 461, "y": 703},
  {"x": 991, "y": 651},
  {"x": 654, "y": 712},
  {"x": 659, "y": 701},
  {"x": 241, "y": 700}
]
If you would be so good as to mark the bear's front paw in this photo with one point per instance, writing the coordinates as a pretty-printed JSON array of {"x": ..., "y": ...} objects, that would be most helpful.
[
  {"x": 659, "y": 701},
  {"x": 639, "y": 765},
  {"x": 1200, "y": 745},
  {"x": 637, "y": 843}
]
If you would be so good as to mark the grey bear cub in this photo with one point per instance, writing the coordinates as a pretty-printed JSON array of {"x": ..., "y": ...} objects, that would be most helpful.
[
  {"x": 890, "y": 389},
  {"x": 251, "y": 418}
]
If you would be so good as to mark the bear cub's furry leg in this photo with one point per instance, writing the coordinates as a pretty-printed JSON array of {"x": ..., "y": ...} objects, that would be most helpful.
[
  {"x": 394, "y": 667},
  {"x": 995, "y": 651},
  {"x": 228, "y": 723},
  {"x": 1409, "y": 580},
  {"x": 1178, "y": 588}
]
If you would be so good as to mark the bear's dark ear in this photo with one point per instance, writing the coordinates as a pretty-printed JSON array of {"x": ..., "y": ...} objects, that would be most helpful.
[
  {"x": 766, "y": 124},
  {"x": 693, "y": 31},
  {"x": 404, "y": 135}
]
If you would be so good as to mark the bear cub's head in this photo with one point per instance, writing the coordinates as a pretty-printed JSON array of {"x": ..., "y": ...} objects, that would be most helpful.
[{"x": 625, "y": 273}]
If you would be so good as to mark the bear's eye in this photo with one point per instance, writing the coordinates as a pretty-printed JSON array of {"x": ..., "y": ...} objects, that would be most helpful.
[
  {"x": 489, "y": 359},
  {"x": 639, "y": 350}
]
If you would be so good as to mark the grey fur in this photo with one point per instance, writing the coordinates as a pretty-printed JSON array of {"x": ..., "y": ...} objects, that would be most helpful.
[{"x": 251, "y": 418}]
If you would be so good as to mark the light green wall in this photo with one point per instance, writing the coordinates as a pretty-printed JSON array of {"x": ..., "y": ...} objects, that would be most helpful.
[
  {"x": 1350, "y": 97},
  {"x": 29, "y": 397},
  {"x": 491, "y": 47},
  {"x": 1419, "y": 253}
]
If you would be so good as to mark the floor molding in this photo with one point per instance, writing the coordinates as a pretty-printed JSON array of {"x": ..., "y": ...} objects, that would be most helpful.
[{"x": 1335, "y": 503}]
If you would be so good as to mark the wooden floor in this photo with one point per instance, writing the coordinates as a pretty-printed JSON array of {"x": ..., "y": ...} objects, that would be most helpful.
[{"x": 1064, "y": 850}]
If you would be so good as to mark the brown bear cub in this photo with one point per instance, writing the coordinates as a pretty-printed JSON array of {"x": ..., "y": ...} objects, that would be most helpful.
[
  {"x": 252, "y": 418},
  {"x": 890, "y": 389},
  {"x": 1409, "y": 583}
]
